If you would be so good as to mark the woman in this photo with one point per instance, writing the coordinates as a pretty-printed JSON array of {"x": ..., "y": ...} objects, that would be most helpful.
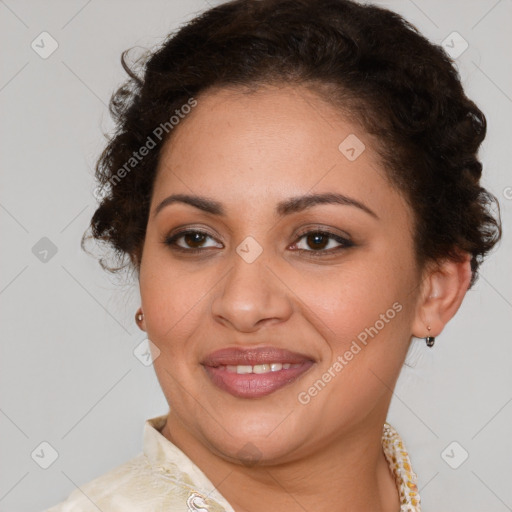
[{"x": 296, "y": 185}]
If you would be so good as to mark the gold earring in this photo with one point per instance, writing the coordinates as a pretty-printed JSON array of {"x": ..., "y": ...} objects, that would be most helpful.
[
  {"x": 430, "y": 339},
  {"x": 139, "y": 316}
]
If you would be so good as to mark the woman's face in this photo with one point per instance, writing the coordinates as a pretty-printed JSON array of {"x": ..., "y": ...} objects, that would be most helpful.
[{"x": 263, "y": 286}]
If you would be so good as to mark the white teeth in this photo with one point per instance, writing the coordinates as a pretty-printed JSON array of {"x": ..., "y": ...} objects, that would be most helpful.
[{"x": 260, "y": 368}]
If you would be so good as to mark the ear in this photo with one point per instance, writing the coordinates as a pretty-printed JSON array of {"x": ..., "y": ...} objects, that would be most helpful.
[{"x": 443, "y": 289}]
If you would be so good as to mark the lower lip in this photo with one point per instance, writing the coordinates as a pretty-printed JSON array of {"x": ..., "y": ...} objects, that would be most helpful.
[{"x": 254, "y": 385}]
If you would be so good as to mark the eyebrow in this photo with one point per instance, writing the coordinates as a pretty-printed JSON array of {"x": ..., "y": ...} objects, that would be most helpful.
[{"x": 283, "y": 208}]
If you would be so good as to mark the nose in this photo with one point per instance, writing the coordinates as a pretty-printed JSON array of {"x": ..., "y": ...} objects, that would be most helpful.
[{"x": 251, "y": 296}]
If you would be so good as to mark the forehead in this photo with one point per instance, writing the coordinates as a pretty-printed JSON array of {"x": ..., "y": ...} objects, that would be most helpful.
[{"x": 268, "y": 145}]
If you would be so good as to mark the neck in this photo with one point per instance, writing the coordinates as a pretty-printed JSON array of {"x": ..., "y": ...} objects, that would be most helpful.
[{"x": 349, "y": 474}]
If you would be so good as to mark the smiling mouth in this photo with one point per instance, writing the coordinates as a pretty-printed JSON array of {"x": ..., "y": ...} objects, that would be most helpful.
[{"x": 254, "y": 373}]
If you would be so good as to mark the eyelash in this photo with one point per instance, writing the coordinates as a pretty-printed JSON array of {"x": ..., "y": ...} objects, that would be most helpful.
[{"x": 345, "y": 242}]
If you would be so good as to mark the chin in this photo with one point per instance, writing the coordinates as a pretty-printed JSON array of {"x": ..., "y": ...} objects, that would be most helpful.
[{"x": 255, "y": 440}]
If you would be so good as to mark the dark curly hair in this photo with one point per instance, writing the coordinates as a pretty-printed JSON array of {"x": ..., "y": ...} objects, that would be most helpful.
[{"x": 367, "y": 61}]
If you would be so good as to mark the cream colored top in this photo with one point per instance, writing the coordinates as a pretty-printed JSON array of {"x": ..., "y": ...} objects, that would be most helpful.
[{"x": 162, "y": 478}]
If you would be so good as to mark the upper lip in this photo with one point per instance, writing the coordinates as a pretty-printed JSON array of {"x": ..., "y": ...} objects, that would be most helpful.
[{"x": 253, "y": 356}]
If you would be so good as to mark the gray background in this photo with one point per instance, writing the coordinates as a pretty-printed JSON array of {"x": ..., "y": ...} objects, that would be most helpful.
[{"x": 68, "y": 372}]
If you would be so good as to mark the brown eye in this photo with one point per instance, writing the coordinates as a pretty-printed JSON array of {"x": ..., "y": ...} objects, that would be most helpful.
[
  {"x": 317, "y": 240},
  {"x": 193, "y": 241},
  {"x": 317, "y": 243}
]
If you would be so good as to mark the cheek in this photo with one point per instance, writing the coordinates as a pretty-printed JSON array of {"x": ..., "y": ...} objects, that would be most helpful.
[
  {"x": 170, "y": 299},
  {"x": 363, "y": 314},
  {"x": 362, "y": 293},
  {"x": 173, "y": 310}
]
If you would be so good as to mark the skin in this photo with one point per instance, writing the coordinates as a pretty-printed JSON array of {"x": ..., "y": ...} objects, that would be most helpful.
[{"x": 249, "y": 152}]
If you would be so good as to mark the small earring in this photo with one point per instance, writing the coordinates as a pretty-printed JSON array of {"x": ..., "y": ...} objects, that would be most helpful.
[
  {"x": 430, "y": 339},
  {"x": 139, "y": 316}
]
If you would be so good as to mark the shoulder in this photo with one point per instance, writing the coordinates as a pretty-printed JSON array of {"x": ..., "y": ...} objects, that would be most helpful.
[{"x": 133, "y": 486}]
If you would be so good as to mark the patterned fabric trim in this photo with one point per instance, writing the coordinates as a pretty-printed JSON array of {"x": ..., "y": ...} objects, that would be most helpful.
[{"x": 400, "y": 464}]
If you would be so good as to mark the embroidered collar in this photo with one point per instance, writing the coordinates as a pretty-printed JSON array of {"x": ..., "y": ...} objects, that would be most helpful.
[{"x": 400, "y": 464}]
